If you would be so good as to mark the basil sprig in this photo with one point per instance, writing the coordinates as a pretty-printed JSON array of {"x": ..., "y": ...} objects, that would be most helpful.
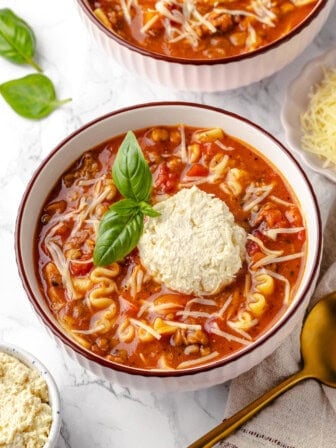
[
  {"x": 17, "y": 39},
  {"x": 32, "y": 96},
  {"x": 122, "y": 225},
  {"x": 130, "y": 171}
]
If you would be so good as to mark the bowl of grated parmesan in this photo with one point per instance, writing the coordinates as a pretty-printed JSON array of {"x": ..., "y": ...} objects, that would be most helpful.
[
  {"x": 309, "y": 114},
  {"x": 26, "y": 385}
]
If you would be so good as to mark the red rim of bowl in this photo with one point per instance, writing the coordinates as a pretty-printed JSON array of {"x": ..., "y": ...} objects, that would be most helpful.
[
  {"x": 306, "y": 22},
  {"x": 132, "y": 370}
]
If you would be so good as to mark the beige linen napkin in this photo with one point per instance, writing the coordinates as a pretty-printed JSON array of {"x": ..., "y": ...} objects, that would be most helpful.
[{"x": 305, "y": 416}]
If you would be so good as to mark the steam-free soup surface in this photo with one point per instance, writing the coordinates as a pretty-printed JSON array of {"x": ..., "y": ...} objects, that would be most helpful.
[
  {"x": 199, "y": 29},
  {"x": 125, "y": 313}
]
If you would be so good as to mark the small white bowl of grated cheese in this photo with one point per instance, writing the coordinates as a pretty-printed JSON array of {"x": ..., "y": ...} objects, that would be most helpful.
[
  {"x": 30, "y": 402},
  {"x": 309, "y": 114}
]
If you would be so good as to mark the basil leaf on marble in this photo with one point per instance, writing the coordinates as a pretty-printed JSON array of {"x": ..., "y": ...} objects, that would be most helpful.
[
  {"x": 17, "y": 39},
  {"x": 32, "y": 96}
]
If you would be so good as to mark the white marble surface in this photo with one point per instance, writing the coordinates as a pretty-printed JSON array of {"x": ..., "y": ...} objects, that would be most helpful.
[{"x": 97, "y": 414}]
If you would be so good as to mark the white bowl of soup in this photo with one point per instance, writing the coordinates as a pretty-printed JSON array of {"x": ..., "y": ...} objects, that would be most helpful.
[
  {"x": 204, "y": 46},
  {"x": 220, "y": 274}
]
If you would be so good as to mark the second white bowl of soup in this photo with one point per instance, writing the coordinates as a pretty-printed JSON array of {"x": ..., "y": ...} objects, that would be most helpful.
[
  {"x": 224, "y": 246},
  {"x": 204, "y": 46}
]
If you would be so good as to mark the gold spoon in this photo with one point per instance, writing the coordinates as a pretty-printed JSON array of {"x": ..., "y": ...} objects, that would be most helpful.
[{"x": 318, "y": 350}]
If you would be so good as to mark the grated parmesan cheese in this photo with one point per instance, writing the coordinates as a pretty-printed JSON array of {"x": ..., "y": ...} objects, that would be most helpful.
[
  {"x": 194, "y": 246},
  {"x": 25, "y": 413},
  {"x": 318, "y": 123}
]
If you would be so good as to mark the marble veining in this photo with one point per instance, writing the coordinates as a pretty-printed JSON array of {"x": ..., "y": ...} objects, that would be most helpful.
[{"x": 98, "y": 414}]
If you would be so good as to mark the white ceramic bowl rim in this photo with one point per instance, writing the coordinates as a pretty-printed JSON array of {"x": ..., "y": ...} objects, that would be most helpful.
[
  {"x": 170, "y": 373},
  {"x": 296, "y": 30},
  {"x": 55, "y": 403}
]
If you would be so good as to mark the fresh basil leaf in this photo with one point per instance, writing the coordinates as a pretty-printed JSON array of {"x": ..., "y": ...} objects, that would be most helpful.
[
  {"x": 118, "y": 234},
  {"x": 17, "y": 39},
  {"x": 32, "y": 96},
  {"x": 125, "y": 207},
  {"x": 148, "y": 210},
  {"x": 130, "y": 171}
]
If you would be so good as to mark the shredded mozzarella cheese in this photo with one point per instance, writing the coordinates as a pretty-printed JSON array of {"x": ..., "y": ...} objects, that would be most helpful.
[
  {"x": 282, "y": 279},
  {"x": 61, "y": 264},
  {"x": 271, "y": 259},
  {"x": 194, "y": 362},
  {"x": 273, "y": 233},
  {"x": 172, "y": 323},
  {"x": 228, "y": 336},
  {"x": 146, "y": 327},
  {"x": 319, "y": 121}
]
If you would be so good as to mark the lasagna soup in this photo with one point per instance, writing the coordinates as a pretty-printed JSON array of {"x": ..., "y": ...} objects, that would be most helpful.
[
  {"x": 201, "y": 29},
  {"x": 211, "y": 273}
]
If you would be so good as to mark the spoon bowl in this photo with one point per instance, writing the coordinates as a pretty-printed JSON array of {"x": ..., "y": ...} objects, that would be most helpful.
[
  {"x": 318, "y": 350},
  {"x": 318, "y": 341}
]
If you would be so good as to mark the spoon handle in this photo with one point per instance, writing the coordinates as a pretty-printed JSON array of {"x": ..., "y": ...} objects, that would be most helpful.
[{"x": 231, "y": 424}]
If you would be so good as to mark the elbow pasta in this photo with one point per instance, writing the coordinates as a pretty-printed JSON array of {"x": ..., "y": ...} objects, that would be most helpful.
[
  {"x": 144, "y": 335},
  {"x": 102, "y": 17},
  {"x": 232, "y": 181},
  {"x": 209, "y": 135},
  {"x": 217, "y": 165},
  {"x": 82, "y": 285},
  {"x": 162, "y": 328},
  {"x": 194, "y": 152}
]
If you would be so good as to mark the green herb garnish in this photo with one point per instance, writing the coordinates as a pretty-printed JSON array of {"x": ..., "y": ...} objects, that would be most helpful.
[
  {"x": 122, "y": 225},
  {"x": 32, "y": 96},
  {"x": 17, "y": 39}
]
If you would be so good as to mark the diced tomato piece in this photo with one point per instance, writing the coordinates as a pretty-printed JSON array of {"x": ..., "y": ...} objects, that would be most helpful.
[
  {"x": 252, "y": 248},
  {"x": 165, "y": 180},
  {"x": 197, "y": 170},
  {"x": 294, "y": 217},
  {"x": 301, "y": 235},
  {"x": 79, "y": 268}
]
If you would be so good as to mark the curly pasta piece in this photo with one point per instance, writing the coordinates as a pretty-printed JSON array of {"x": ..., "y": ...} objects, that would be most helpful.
[
  {"x": 232, "y": 182},
  {"x": 104, "y": 323},
  {"x": 244, "y": 321},
  {"x": 264, "y": 284},
  {"x": 144, "y": 335},
  {"x": 100, "y": 296},
  {"x": 258, "y": 304},
  {"x": 217, "y": 165},
  {"x": 126, "y": 331},
  {"x": 101, "y": 274}
]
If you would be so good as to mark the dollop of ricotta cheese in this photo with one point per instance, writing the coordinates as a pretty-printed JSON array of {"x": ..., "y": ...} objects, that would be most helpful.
[
  {"x": 25, "y": 414},
  {"x": 194, "y": 246}
]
